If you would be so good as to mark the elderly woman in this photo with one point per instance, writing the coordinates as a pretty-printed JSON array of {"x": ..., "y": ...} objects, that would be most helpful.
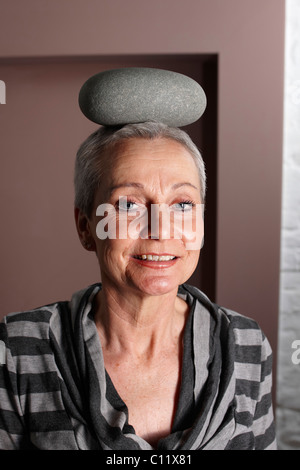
[{"x": 141, "y": 360}]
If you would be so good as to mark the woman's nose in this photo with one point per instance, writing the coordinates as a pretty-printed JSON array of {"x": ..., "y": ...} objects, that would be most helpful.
[{"x": 158, "y": 224}]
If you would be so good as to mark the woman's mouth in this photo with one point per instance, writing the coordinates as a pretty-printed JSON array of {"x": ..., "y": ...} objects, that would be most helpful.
[
  {"x": 154, "y": 260},
  {"x": 155, "y": 257}
]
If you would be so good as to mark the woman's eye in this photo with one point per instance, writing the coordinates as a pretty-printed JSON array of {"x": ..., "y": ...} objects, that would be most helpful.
[
  {"x": 184, "y": 206},
  {"x": 127, "y": 206}
]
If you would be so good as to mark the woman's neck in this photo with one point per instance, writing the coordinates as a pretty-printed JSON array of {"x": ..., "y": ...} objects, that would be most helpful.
[{"x": 141, "y": 326}]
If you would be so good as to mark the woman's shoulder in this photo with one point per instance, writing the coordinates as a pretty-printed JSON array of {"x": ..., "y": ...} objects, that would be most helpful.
[
  {"x": 29, "y": 326},
  {"x": 34, "y": 315},
  {"x": 242, "y": 338},
  {"x": 25, "y": 346},
  {"x": 245, "y": 330},
  {"x": 37, "y": 322}
]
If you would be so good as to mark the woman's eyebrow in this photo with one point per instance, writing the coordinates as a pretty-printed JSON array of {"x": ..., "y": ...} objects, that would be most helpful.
[
  {"x": 178, "y": 185},
  {"x": 141, "y": 186},
  {"x": 126, "y": 185}
]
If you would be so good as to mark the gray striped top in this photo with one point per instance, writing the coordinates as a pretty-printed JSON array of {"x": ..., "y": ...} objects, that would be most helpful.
[{"x": 56, "y": 394}]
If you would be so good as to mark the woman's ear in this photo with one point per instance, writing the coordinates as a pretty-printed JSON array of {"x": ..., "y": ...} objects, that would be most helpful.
[{"x": 84, "y": 230}]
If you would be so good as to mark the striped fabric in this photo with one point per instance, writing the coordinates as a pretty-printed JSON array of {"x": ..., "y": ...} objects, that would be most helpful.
[{"x": 56, "y": 394}]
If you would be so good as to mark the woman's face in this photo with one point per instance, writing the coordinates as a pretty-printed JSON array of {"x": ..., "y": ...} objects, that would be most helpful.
[{"x": 146, "y": 206}]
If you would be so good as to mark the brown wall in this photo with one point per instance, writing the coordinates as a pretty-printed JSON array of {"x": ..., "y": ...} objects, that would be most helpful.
[{"x": 41, "y": 128}]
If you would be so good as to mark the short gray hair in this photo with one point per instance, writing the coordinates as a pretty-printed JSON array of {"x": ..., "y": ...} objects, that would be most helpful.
[{"x": 89, "y": 164}]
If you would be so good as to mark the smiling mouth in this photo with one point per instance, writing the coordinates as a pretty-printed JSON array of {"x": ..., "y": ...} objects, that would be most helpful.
[{"x": 153, "y": 257}]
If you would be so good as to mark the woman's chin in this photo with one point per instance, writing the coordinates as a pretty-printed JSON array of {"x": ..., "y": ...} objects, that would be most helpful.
[{"x": 157, "y": 285}]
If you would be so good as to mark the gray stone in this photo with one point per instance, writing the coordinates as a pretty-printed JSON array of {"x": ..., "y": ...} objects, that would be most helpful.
[{"x": 132, "y": 95}]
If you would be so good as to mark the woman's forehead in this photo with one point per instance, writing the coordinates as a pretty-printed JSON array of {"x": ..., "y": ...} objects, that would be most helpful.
[
  {"x": 143, "y": 155},
  {"x": 143, "y": 166},
  {"x": 151, "y": 167}
]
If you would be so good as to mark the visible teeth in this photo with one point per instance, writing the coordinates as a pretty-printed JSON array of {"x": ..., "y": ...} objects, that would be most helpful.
[{"x": 155, "y": 257}]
